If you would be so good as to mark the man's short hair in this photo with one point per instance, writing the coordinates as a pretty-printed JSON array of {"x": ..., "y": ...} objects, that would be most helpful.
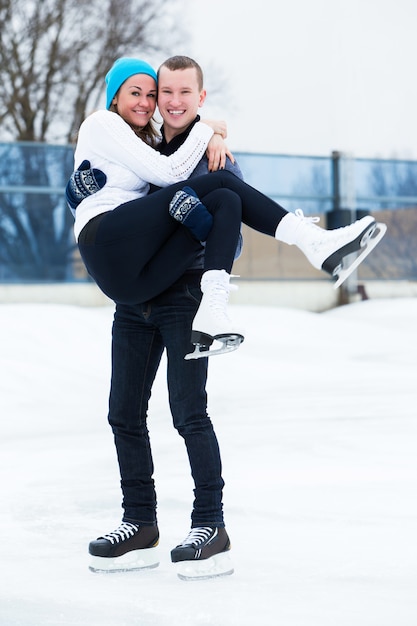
[{"x": 180, "y": 62}]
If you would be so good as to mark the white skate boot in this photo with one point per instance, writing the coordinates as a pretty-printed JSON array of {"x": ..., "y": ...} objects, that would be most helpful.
[
  {"x": 326, "y": 249},
  {"x": 211, "y": 321}
]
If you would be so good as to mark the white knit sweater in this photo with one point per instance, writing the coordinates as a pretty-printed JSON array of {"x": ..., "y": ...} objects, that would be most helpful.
[{"x": 129, "y": 163}]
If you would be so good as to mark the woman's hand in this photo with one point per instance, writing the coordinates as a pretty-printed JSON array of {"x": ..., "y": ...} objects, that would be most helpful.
[
  {"x": 219, "y": 127},
  {"x": 217, "y": 151}
]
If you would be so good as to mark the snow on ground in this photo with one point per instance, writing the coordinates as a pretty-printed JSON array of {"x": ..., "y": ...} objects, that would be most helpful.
[{"x": 317, "y": 420}]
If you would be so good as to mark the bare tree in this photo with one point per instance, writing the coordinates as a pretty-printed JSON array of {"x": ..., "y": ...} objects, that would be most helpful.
[{"x": 54, "y": 55}]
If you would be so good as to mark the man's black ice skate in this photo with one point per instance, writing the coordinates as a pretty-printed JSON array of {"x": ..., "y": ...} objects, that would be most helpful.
[
  {"x": 204, "y": 553},
  {"x": 129, "y": 547}
]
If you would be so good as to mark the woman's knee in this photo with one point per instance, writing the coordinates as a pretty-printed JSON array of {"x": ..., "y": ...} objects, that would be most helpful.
[{"x": 224, "y": 199}]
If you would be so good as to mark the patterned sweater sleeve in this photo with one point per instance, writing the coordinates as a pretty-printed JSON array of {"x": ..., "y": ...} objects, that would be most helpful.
[{"x": 111, "y": 138}]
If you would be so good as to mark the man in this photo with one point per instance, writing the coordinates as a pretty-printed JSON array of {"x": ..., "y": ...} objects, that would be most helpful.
[{"x": 140, "y": 335}]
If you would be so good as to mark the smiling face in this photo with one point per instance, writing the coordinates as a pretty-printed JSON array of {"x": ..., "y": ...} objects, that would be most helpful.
[
  {"x": 179, "y": 98},
  {"x": 136, "y": 100}
]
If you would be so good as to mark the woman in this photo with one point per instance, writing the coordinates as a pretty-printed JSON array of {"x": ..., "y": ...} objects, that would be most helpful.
[{"x": 132, "y": 244}]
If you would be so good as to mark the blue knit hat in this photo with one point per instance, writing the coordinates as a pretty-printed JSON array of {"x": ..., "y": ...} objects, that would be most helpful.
[{"x": 123, "y": 69}]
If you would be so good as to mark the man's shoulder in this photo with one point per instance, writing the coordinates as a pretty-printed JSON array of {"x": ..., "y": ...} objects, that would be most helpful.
[
  {"x": 233, "y": 167},
  {"x": 202, "y": 168}
]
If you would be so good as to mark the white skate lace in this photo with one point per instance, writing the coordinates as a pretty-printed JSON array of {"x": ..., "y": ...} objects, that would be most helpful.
[
  {"x": 198, "y": 536},
  {"x": 312, "y": 219},
  {"x": 218, "y": 299},
  {"x": 320, "y": 233},
  {"x": 322, "y": 236},
  {"x": 123, "y": 532}
]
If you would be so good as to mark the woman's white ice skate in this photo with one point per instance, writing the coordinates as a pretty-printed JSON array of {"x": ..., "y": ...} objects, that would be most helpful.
[
  {"x": 211, "y": 322},
  {"x": 367, "y": 243},
  {"x": 331, "y": 250}
]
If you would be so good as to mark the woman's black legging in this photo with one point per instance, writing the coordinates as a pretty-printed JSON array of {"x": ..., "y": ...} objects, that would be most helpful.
[{"x": 138, "y": 250}]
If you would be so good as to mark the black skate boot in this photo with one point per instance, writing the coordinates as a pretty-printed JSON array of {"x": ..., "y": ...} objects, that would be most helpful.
[
  {"x": 129, "y": 547},
  {"x": 204, "y": 553}
]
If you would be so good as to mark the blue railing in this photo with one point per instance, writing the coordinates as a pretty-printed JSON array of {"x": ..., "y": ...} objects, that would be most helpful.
[
  {"x": 310, "y": 181},
  {"x": 36, "y": 238}
]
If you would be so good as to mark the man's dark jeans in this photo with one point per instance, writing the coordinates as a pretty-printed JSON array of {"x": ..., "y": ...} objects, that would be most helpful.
[{"x": 140, "y": 334}]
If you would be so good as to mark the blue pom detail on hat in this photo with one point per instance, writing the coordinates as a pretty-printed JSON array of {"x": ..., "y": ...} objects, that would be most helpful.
[{"x": 122, "y": 69}]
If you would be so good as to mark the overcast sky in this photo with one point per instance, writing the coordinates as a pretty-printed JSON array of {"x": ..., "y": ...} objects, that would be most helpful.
[{"x": 312, "y": 76}]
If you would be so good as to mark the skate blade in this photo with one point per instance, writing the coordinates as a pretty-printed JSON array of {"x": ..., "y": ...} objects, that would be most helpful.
[
  {"x": 370, "y": 243},
  {"x": 229, "y": 344},
  {"x": 215, "y": 567},
  {"x": 147, "y": 558}
]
